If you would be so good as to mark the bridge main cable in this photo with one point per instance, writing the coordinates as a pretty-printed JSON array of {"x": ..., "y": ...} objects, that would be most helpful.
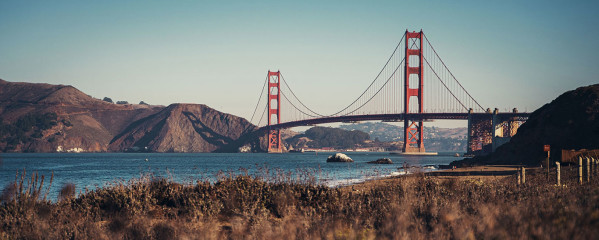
[
  {"x": 292, "y": 93},
  {"x": 293, "y": 105},
  {"x": 435, "y": 72},
  {"x": 384, "y": 84},
  {"x": 358, "y": 98},
  {"x": 258, "y": 103},
  {"x": 454, "y": 78},
  {"x": 373, "y": 81}
]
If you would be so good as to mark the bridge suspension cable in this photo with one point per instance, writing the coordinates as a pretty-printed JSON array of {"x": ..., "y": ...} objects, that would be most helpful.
[
  {"x": 362, "y": 100},
  {"x": 376, "y": 78},
  {"x": 456, "y": 98},
  {"x": 443, "y": 93},
  {"x": 258, "y": 103},
  {"x": 292, "y": 93},
  {"x": 467, "y": 94}
]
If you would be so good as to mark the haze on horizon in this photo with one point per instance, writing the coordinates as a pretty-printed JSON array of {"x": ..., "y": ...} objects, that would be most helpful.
[{"x": 506, "y": 54}]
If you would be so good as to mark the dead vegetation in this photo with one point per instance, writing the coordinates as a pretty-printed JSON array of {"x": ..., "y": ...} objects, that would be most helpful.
[{"x": 245, "y": 207}]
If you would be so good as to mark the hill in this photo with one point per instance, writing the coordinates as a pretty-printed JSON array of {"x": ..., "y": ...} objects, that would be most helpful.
[
  {"x": 571, "y": 121},
  {"x": 318, "y": 137},
  {"x": 435, "y": 138},
  {"x": 37, "y": 117},
  {"x": 183, "y": 128}
]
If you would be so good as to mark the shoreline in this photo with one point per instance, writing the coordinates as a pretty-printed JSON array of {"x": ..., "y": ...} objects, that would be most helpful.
[
  {"x": 239, "y": 206},
  {"x": 485, "y": 172}
]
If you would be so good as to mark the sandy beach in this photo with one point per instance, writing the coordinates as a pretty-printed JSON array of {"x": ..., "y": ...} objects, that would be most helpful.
[{"x": 482, "y": 173}]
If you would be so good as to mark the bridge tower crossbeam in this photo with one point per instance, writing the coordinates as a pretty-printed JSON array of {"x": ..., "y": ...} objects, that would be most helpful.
[{"x": 413, "y": 130}]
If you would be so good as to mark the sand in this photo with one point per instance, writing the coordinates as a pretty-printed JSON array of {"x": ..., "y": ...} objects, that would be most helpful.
[{"x": 483, "y": 173}]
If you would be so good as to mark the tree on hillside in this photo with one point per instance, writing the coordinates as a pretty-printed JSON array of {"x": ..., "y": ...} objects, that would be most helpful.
[
  {"x": 107, "y": 99},
  {"x": 143, "y": 103},
  {"x": 122, "y": 102}
]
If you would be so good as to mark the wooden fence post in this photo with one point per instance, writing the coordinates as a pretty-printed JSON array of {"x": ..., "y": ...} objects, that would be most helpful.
[
  {"x": 588, "y": 169},
  {"x": 580, "y": 169},
  {"x": 593, "y": 166},
  {"x": 548, "y": 166},
  {"x": 558, "y": 173},
  {"x": 519, "y": 178},
  {"x": 523, "y": 175}
]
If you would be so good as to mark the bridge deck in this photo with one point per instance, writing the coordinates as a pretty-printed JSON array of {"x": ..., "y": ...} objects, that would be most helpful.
[{"x": 397, "y": 117}]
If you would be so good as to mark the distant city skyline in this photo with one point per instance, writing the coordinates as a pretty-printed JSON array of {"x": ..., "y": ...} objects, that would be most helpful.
[{"x": 506, "y": 54}]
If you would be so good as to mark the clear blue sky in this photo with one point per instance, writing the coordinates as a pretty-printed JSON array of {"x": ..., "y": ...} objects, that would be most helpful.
[{"x": 506, "y": 53}]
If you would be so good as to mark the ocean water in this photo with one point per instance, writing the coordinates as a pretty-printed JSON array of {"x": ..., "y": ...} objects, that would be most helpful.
[{"x": 93, "y": 170}]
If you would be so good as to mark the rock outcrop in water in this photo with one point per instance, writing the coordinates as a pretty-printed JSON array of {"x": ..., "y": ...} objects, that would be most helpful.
[
  {"x": 381, "y": 161},
  {"x": 339, "y": 157},
  {"x": 38, "y": 117},
  {"x": 571, "y": 121}
]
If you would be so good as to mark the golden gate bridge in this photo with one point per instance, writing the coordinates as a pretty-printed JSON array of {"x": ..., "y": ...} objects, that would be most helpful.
[{"x": 414, "y": 86}]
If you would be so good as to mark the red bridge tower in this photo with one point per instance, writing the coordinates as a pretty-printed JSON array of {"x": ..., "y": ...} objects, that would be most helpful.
[
  {"x": 274, "y": 109},
  {"x": 413, "y": 129}
]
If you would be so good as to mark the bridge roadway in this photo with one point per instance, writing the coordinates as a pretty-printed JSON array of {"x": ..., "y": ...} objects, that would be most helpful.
[{"x": 397, "y": 117}]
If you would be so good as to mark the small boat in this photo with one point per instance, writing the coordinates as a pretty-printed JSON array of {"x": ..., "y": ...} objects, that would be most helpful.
[
  {"x": 146, "y": 159},
  {"x": 456, "y": 155}
]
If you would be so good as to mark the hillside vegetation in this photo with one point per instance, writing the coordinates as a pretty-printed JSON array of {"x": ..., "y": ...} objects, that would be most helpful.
[
  {"x": 25, "y": 129},
  {"x": 435, "y": 138},
  {"x": 318, "y": 137}
]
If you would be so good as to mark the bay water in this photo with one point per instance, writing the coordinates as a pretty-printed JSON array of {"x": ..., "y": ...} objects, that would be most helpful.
[{"x": 92, "y": 170}]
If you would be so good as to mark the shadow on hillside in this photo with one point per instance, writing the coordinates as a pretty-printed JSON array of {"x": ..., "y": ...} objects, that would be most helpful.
[{"x": 207, "y": 133}]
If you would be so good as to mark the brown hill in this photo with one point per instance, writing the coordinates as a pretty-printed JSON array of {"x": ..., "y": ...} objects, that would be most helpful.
[
  {"x": 38, "y": 117},
  {"x": 47, "y": 94},
  {"x": 183, "y": 128},
  {"x": 571, "y": 121},
  {"x": 80, "y": 123}
]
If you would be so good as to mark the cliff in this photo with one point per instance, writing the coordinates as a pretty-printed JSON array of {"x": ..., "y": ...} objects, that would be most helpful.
[{"x": 571, "y": 121}]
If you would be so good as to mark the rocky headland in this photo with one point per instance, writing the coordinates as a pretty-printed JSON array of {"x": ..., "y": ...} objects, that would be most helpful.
[{"x": 571, "y": 122}]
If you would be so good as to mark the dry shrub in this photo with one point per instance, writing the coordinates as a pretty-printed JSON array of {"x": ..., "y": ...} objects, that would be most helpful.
[
  {"x": 163, "y": 231},
  {"x": 67, "y": 192},
  {"x": 410, "y": 207},
  {"x": 9, "y": 192}
]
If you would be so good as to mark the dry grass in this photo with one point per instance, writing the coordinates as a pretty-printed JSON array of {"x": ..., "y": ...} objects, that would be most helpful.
[{"x": 243, "y": 207}]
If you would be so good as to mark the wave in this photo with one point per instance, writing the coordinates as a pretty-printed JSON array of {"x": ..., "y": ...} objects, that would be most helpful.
[{"x": 357, "y": 180}]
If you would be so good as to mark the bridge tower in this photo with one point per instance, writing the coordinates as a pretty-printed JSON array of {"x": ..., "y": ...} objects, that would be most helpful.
[
  {"x": 413, "y": 128},
  {"x": 274, "y": 109}
]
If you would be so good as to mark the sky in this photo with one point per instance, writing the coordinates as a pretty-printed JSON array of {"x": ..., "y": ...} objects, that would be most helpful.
[{"x": 505, "y": 53}]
